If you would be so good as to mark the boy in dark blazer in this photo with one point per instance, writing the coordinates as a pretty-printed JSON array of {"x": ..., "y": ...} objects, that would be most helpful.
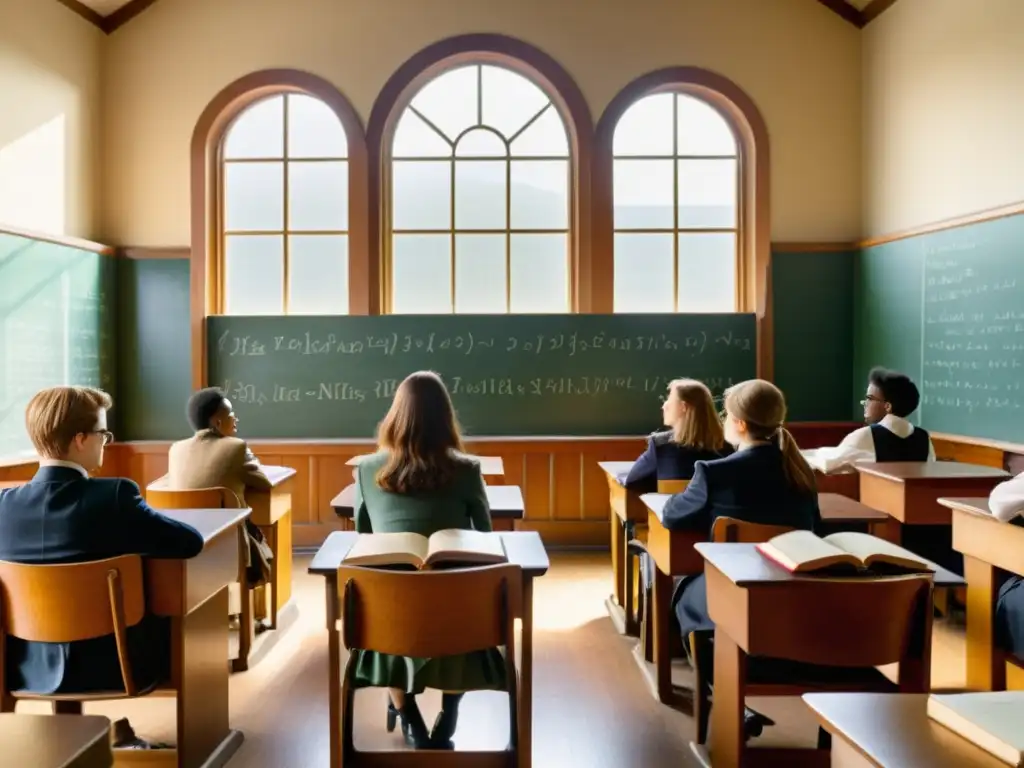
[{"x": 64, "y": 516}]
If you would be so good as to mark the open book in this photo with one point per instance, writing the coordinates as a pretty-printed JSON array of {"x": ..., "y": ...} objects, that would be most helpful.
[
  {"x": 803, "y": 552},
  {"x": 992, "y": 721},
  {"x": 451, "y": 545}
]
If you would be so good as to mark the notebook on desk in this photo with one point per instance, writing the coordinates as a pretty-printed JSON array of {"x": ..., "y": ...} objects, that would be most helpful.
[
  {"x": 991, "y": 721},
  {"x": 421, "y": 552},
  {"x": 804, "y": 552}
]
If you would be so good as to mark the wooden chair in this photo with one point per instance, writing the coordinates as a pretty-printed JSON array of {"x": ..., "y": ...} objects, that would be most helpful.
[
  {"x": 638, "y": 567},
  {"x": 872, "y": 622},
  {"x": 239, "y": 593},
  {"x": 69, "y": 603},
  {"x": 424, "y": 615}
]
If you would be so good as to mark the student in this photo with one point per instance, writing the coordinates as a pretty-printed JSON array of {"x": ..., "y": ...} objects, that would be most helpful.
[
  {"x": 694, "y": 434},
  {"x": 1007, "y": 504},
  {"x": 765, "y": 481},
  {"x": 890, "y": 399},
  {"x": 418, "y": 481},
  {"x": 64, "y": 516},
  {"x": 215, "y": 456}
]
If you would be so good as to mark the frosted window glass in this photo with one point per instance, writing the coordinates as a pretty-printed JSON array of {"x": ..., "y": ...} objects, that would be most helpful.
[
  {"x": 643, "y": 193},
  {"x": 707, "y": 272},
  {"x": 540, "y": 194},
  {"x": 539, "y": 274},
  {"x": 646, "y": 127},
  {"x": 318, "y": 196},
  {"x": 707, "y": 194},
  {"x": 254, "y": 275},
  {"x": 253, "y": 196},
  {"x": 643, "y": 272},
  {"x": 414, "y": 138},
  {"x": 480, "y": 189},
  {"x": 480, "y": 274},
  {"x": 257, "y": 132},
  {"x": 421, "y": 195},
  {"x": 318, "y": 275},
  {"x": 701, "y": 129},
  {"x": 421, "y": 274},
  {"x": 545, "y": 137},
  {"x": 449, "y": 101},
  {"x": 313, "y": 129},
  {"x": 509, "y": 100}
]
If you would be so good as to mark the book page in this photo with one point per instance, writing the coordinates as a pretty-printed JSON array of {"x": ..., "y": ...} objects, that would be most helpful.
[
  {"x": 864, "y": 547},
  {"x": 796, "y": 548},
  {"x": 385, "y": 548},
  {"x": 473, "y": 545},
  {"x": 992, "y": 720}
]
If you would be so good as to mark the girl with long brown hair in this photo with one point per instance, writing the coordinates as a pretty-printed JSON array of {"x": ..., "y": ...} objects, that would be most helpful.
[
  {"x": 767, "y": 480},
  {"x": 420, "y": 481}
]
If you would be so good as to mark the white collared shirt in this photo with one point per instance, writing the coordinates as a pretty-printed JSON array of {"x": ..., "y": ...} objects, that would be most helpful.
[
  {"x": 1007, "y": 499},
  {"x": 65, "y": 464},
  {"x": 859, "y": 447}
]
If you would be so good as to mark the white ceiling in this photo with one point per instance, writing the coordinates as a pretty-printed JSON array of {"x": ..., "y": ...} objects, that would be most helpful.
[{"x": 104, "y": 7}]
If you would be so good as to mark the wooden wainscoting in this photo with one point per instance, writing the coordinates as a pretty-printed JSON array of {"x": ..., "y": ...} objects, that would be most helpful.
[{"x": 566, "y": 494}]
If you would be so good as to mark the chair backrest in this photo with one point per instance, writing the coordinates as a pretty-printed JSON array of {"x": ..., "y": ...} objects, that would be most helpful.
[
  {"x": 426, "y": 614},
  {"x": 161, "y": 497},
  {"x": 672, "y": 486},
  {"x": 729, "y": 529}
]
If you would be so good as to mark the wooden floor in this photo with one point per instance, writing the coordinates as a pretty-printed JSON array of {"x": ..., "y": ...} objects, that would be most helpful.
[{"x": 591, "y": 706}]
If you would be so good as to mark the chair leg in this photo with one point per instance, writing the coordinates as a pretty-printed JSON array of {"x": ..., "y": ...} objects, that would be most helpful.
[
  {"x": 824, "y": 739},
  {"x": 700, "y": 653},
  {"x": 67, "y": 707}
]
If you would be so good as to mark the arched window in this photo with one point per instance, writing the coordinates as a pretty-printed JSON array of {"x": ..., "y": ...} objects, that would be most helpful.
[
  {"x": 676, "y": 189},
  {"x": 480, "y": 198},
  {"x": 284, "y": 214}
]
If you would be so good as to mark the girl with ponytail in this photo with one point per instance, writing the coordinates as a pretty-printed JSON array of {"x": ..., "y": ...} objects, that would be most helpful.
[{"x": 766, "y": 481}]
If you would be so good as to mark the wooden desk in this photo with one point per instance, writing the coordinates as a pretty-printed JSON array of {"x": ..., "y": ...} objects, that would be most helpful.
[
  {"x": 844, "y": 483},
  {"x": 909, "y": 491},
  {"x": 757, "y": 607},
  {"x": 626, "y": 512},
  {"x": 272, "y": 512},
  {"x": 489, "y": 465},
  {"x": 55, "y": 741},
  {"x": 505, "y": 501},
  {"x": 194, "y": 593},
  {"x": 891, "y": 730},
  {"x": 991, "y": 549},
  {"x": 837, "y": 509},
  {"x": 524, "y": 548}
]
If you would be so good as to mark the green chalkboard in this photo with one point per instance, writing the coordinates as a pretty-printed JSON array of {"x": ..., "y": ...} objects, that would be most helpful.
[
  {"x": 154, "y": 359},
  {"x": 947, "y": 308},
  {"x": 812, "y": 295},
  {"x": 334, "y": 377},
  {"x": 56, "y": 326}
]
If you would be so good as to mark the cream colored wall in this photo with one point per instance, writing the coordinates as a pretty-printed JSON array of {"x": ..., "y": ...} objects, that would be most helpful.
[
  {"x": 49, "y": 119},
  {"x": 943, "y": 111},
  {"x": 798, "y": 61}
]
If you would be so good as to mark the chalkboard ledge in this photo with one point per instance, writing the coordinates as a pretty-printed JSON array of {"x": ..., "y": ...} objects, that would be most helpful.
[
  {"x": 983, "y": 442},
  {"x": 362, "y": 441}
]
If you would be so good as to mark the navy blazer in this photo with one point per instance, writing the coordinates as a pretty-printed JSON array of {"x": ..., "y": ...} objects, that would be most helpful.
[
  {"x": 749, "y": 485},
  {"x": 666, "y": 459},
  {"x": 63, "y": 517}
]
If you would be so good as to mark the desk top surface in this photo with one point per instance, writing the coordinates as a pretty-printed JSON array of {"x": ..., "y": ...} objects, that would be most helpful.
[
  {"x": 209, "y": 522},
  {"x": 838, "y": 508},
  {"x": 921, "y": 471},
  {"x": 489, "y": 465},
  {"x": 744, "y": 565},
  {"x": 50, "y": 741},
  {"x": 278, "y": 475},
  {"x": 504, "y": 501},
  {"x": 977, "y": 505},
  {"x": 893, "y": 729},
  {"x": 616, "y": 468},
  {"x": 524, "y": 548}
]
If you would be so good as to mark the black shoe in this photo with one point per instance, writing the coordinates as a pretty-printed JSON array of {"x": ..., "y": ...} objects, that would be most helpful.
[
  {"x": 447, "y": 718},
  {"x": 754, "y": 723},
  {"x": 413, "y": 728}
]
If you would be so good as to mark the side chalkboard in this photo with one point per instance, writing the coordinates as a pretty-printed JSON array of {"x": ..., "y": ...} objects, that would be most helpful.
[
  {"x": 948, "y": 309},
  {"x": 56, "y": 326},
  {"x": 516, "y": 375}
]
